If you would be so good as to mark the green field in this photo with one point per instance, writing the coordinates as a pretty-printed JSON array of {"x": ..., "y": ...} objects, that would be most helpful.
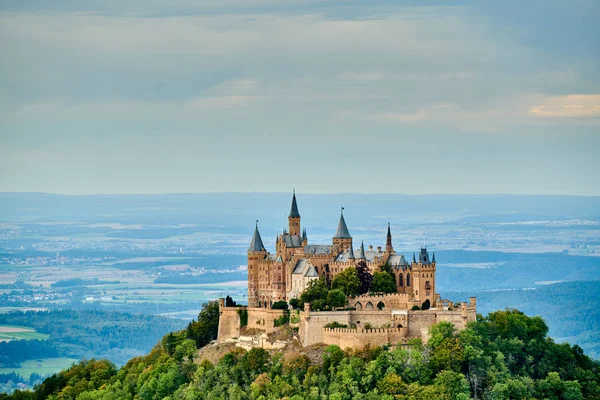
[
  {"x": 43, "y": 366},
  {"x": 29, "y": 334}
]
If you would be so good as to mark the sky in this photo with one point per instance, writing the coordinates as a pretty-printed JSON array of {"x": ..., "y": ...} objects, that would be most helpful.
[{"x": 148, "y": 96}]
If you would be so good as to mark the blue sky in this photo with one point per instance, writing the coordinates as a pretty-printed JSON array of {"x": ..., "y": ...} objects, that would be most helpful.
[{"x": 325, "y": 96}]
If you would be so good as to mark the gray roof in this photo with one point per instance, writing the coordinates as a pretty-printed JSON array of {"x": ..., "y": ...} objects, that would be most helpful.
[
  {"x": 397, "y": 260},
  {"x": 311, "y": 273},
  {"x": 361, "y": 255},
  {"x": 424, "y": 256},
  {"x": 292, "y": 240},
  {"x": 294, "y": 210},
  {"x": 317, "y": 249},
  {"x": 256, "y": 244},
  {"x": 300, "y": 265},
  {"x": 279, "y": 259},
  {"x": 351, "y": 255},
  {"x": 342, "y": 229}
]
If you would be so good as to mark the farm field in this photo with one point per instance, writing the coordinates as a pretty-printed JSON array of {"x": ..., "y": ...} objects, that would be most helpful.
[
  {"x": 11, "y": 332},
  {"x": 43, "y": 366}
]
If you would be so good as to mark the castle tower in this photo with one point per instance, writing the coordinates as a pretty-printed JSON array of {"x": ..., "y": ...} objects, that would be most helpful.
[
  {"x": 256, "y": 253},
  {"x": 388, "y": 243},
  {"x": 342, "y": 239},
  {"x": 294, "y": 218},
  {"x": 304, "y": 238},
  {"x": 361, "y": 255}
]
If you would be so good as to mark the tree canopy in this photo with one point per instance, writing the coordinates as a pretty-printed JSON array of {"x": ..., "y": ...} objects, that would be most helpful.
[{"x": 505, "y": 355}]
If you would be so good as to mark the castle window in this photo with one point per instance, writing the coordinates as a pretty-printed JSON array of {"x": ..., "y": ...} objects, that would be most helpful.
[
  {"x": 408, "y": 279},
  {"x": 400, "y": 280}
]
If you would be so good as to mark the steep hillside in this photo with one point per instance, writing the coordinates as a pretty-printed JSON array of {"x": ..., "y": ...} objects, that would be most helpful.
[{"x": 506, "y": 355}]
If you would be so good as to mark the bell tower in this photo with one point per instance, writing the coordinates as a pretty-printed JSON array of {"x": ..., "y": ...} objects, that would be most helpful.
[{"x": 294, "y": 218}]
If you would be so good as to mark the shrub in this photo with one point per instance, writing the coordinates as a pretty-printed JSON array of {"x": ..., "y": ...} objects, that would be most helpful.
[
  {"x": 426, "y": 304},
  {"x": 414, "y": 308},
  {"x": 295, "y": 303},
  {"x": 335, "y": 324},
  {"x": 243, "y": 314},
  {"x": 280, "y": 305}
]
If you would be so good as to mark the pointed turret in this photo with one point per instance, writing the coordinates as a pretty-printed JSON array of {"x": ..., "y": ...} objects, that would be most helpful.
[
  {"x": 342, "y": 229},
  {"x": 361, "y": 255},
  {"x": 388, "y": 243},
  {"x": 294, "y": 217},
  {"x": 256, "y": 244},
  {"x": 351, "y": 256},
  {"x": 342, "y": 240},
  {"x": 304, "y": 238},
  {"x": 414, "y": 258},
  {"x": 294, "y": 210},
  {"x": 433, "y": 257}
]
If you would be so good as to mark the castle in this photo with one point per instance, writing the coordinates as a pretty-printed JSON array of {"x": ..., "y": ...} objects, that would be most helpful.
[
  {"x": 371, "y": 319},
  {"x": 284, "y": 274}
]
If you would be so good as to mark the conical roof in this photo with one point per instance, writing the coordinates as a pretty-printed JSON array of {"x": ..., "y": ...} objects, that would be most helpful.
[
  {"x": 342, "y": 229},
  {"x": 351, "y": 256},
  {"x": 361, "y": 255},
  {"x": 294, "y": 210},
  {"x": 256, "y": 244}
]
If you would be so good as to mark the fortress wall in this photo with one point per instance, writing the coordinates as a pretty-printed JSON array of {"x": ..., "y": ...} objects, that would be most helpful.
[
  {"x": 358, "y": 338},
  {"x": 313, "y": 322},
  {"x": 392, "y": 300},
  {"x": 263, "y": 318},
  {"x": 229, "y": 322},
  {"x": 419, "y": 320}
]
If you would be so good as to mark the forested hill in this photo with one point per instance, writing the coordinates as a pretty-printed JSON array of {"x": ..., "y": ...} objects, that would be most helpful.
[
  {"x": 506, "y": 355},
  {"x": 84, "y": 334}
]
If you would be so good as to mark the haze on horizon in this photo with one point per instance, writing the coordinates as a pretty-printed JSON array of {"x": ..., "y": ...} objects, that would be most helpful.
[{"x": 328, "y": 96}]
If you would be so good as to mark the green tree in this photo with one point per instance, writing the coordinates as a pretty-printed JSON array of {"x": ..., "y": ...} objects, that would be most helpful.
[
  {"x": 451, "y": 385},
  {"x": 336, "y": 298},
  {"x": 383, "y": 283},
  {"x": 347, "y": 281},
  {"x": 280, "y": 305},
  {"x": 206, "y": 327},
  {"x": 315, "y": 290}
]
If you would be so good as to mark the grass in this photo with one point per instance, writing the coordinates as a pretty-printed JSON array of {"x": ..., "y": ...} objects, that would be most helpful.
[
  {"x": 42, "y": 366},
  {"x": 27, "y": 335}
]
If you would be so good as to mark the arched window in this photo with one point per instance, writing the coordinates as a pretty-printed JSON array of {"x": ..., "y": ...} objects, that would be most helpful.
[
  {"x": 380, "y": 305},
  {"x": 369, "y": 306},
  {"x": 408, "y": 279},
  {"x": 358, "y": 306},
  {"x": 400, "y": 280}
]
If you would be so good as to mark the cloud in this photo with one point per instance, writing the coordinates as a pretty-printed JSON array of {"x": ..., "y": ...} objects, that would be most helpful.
[{"x": 569, "y": 106}]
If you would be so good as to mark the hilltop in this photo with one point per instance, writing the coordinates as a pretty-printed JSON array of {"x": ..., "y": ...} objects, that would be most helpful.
[{"x": 505, "y": 355}]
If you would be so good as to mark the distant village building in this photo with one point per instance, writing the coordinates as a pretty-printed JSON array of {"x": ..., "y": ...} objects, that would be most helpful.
[{"x": 393, "y": 318}]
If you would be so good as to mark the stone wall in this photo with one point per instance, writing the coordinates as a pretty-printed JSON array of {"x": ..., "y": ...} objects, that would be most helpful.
[
  {"x": 358, "y": 338},
  {"x": 416, "y": 324},
  {"x": 312, "y": 323},
  {"x": 389, "y": 301},
  {"x": 258, "y": 318}
]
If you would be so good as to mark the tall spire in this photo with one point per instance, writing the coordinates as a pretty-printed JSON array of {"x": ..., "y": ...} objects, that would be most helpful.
[
  {"x": 351, "y": 256},
  {"x": 256, "y": 244},
  {"x": 294, "y": 210},
  {"x": 304, "y": 237},
  {"x": 388, "y": 243},
  {"x": 361, "y": 255},
  {"x": 342, "y": 229},
  {"x": 414, "y": 258},
  {"x": 433, "y": 257}
]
